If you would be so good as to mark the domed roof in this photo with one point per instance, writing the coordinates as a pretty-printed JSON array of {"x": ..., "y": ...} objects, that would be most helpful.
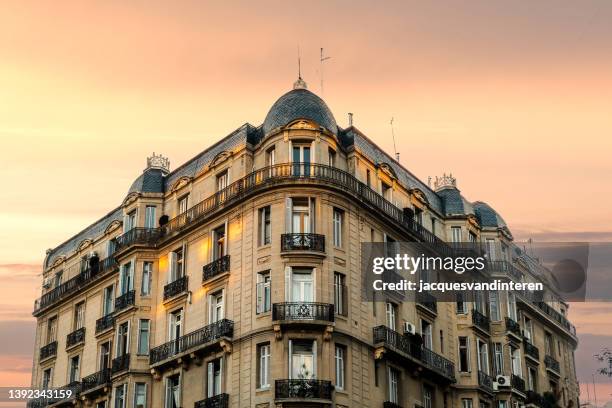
[
  {"x": 487, "y": 216},
  {"x": 150, "y": 181},
  {"x": 296, "y": 104}
]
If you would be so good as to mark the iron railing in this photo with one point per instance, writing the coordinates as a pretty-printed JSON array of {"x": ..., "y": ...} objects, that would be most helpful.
[
  {"x": 76, "y": 337},
  {"x": 551, "y": 363},
  {"x": 303, "y": 242},
  {"x": 507, "y": 268},
  {"x": 138, "y": 236},
  {"x": 389, "y": 404},
  {"x": 485, "y": 381},
  {"x": 303, "y": 389},
  {"x": 105, "y": 323},
  {"x": 216, "y": 267},
  {"x": 95, "y": 270},
  {"x": 174, "y": 288},
  {"x": 429, "y": 358},
  {"x": 59, "y": 394},
  {"x": 517, "y": 383},
  {"x": 207, "y": 334},
  {"x": 531, "y": 350},
  {"x": 218, "y": 401},
  {"x": 50, "y": 350},
  {"x": 120, "y": 364},
  {"x": 303, "y": 311},
  {"x": 556, "y": 316},
  {"x": 124, "y": 301},
  {"x": 427, "y": 300},
  {"x": 535, "y": 399},
  {"x": 96, "y": 380},
  {"x": 513, "y": 327},
  {"x": 481, "y": 320}
]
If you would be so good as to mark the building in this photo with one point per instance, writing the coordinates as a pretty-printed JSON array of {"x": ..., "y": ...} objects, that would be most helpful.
[{"x": 234, "y": 280}]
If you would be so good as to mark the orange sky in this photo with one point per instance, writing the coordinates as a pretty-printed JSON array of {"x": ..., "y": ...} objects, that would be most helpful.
[{"x": 512, "y": 98}]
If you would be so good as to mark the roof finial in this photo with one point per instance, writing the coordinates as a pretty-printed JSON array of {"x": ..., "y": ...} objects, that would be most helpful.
[{"x": 299, "y": 84}]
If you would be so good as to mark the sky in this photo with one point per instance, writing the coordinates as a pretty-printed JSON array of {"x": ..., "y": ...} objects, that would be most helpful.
[{"x": 513, "y": 98}]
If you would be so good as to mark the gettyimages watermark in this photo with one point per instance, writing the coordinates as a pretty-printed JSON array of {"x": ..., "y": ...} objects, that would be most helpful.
[{"x": 552, "y": 271}]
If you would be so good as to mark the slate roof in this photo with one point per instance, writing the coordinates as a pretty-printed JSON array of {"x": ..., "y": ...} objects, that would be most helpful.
[
  {"x": 299, "y": 104},
  {"x": 487, "y": 216},
  {"x": 150, "y": 181}
]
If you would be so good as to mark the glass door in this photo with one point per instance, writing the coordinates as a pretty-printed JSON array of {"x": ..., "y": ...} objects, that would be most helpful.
[
  {"x": 301, "y": 160},
  {"x": 302, "y": 360},
  {"x": 302, "y": 288}
]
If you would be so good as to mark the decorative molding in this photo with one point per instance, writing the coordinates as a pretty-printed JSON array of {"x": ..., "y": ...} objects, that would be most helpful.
[
  {"x": 113, "y": 226},
  {"x": 84, "y": 244},
  {"x": 219, "y": 158},
  {"x": 131, "y": 198},
  {"x": 387, "y": 169},
  {"x": 158, "y": 162},
  {"x": 180, "y": 183},
  {"x": 445, "y": 181},
  {"x": 59, "y": 260}
]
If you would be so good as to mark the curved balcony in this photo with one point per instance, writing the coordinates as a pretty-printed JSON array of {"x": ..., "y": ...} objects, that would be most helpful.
[
  {"x": 76, "y": 337},
  {"x": 142, "y": 237},
  {"x": 216, "y": 268},
  {"x": 412, "y": 353},
  {"x": 125, "y": 301},
  {"x": 48, "y": 351},
  {"x": 218, "y": 401},
  {"x": 175, "y": 288},
  {"x": 303, "y": 242},
  {"x": 303, "y": 389}
]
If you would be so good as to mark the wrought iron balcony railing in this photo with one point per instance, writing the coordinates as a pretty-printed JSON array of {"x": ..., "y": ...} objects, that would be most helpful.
[
  {"x": 218, "y": 401},
  {"x": 124, "y": 301},
  {"x": 147, "y": 237},
  {"x": 120, "y": 364},
  {"x": 531, "y": 350},
  {"x": 517, "y": 383},
  {"x": 506, "y": 268},
  {"x": 96, "y": 380},
  {"x": 427, "y": 357},
  {"x": 557, "y": 317},
  {"x": 481, "y": 320},
  {"x": 76, "y": 337},
  {"x": 105, "y": 323},
  {"x": 427, "y": 300},
  {"x": 177, "y": 287},
  {"x": 533, "y": 398},
  {"x": 303, "y": 389},
  {"x": 551, "y": 363},
  {"x": 303, "y": 311},
  {"x": 95, "y": 270},
  {"x": 389, "y": 404},
  {"x": 485, "y": 381},
  {"x": 302, "y": 242},
  {"x": 66, "y": 393},
  {"x": 50, "y": 350},
  {"x": 216, "y": 267},
  {"x": 513, "y": 327},
  {"x": 200, "y": 337}
]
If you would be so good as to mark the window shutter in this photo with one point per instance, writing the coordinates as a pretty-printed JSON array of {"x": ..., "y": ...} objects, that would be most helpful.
[
  {"x": 210, "y": 379},
  {"x": 125, "y": 222},
  {"x": 226, "y": 238},
  {"x": 288, "y": 284},
  {"x": 312, "y": 210},
  {"x": 171, "y": 266},
  {"x": 132, "y": 274},
  {"x": 290, "y": 359},
  {"x": 259, "y": 299},
  {"x": 469, "y": 355},
  {"x": 288, "y": 207},
  {"x": 314, "y": 284},
  {"x": 314, "y": 359}
]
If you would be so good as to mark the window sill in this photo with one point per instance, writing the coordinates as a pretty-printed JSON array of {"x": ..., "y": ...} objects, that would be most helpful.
[
  {"x": 264, "y": 314},
  {"x": 262, "y": 247},
  {"x": 263, "y": 389}
]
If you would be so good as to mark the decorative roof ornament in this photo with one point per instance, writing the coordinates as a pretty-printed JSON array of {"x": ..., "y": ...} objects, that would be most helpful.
[
  {"x": 158, "y": 162},
  {"x": 300, "y": 84},
  {"x": 446, "y": 181}
]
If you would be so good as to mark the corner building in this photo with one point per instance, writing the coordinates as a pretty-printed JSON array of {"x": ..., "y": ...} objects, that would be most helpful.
[{"x": 235, "y": 281}]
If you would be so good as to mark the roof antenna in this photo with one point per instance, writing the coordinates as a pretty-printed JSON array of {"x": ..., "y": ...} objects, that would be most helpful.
[
  {"x": 300, "y": 83},
  {"x": 397, "y": 156},
  {"x": 322, "y": 60},
  {"x": 299, "y": 64}
]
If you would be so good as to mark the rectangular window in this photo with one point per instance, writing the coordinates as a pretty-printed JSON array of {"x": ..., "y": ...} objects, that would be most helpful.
[
  {"x": 461, "y": 303},
  {"x": 339, "y": 358},
  {"x": 483, "y": 356},
  {"x": 502, "y": 404},
  {"x": 434, "y": 226},
  {"x": 101, "y": 404},
  {"x": 426, "y": 334},
  {"x": 302, "y": 285},
  {"x": 123, "y": 339},
  {"x": 466, "y": 403},
  {"x": 75, "y": 365},
  {"x": 549, "y": 344},
  {"x": 183, "y": 203},
  {"x": 222, "y": 180},
  {"x": 216, "y": 311},
  {"x": 340, "y": 294},
  {"x": 338, "y": 216},
  {"x": 219, "y": 243},
  {"x": 491, "y": 249},
  {"x": 516, "y": 361},
  {"x": 79, "y": 316},
  {"x": 368, "y": 178},
  {"x": 300, "y": 215},
  {"x": 126, "y": 278},
  {"x": 394, "y": 385},
  {"x": 263, "y": 361},
  {"x": 427, "y": 396},
  {"x": 46, "y": 379},
  {"x": 110, "y": 247},
  {"x": 214, "y": 376},
  {"x": 263, "y": 292},
  {"x": 391, "y": 315},
  {"x": 51, "y": 329},
  {"x": 464, "y": 354},
  {"x": 58, "y": 278},
  {"x": 176, "y": 261},
  {"x": 265, "y": 226},
  {"x": 105, "y": 355},
  {"x": 140, "y": 395},
  {"x": 173, "y": 391},
  {"x": 271, "y": 157},
  {"x": 175, "y": 324},
  {"x": 456, "y": 234},
  {"x": 120, "y": 392},
  {"x": 512, "y": 306},
  {"x": 150, "y": 216},
  {"x": 129, "y": 221},
  {"x": 302, "y": 359},
  {"x": 494, "y": 306},
  {"x": 109, "y": 301},
  {"x": 332, "y": 157},
  {"x": 147, "y": 277},
  {"x": 528, "y": 330},
  {"x": 143, "y": 336},
  {"x": 387, "y": 191},
  {"x": 498, "y": 358},
  {"x": 532, "y": 379}
]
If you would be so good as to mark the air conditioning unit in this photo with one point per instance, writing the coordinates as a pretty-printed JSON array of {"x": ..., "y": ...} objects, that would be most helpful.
[
  {"x": 47, "y": 282},
  {"x": 502, "y": 380},
  {"x": 409, "y": 328}
]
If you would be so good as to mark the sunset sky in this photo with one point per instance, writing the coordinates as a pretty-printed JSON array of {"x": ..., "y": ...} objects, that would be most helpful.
[{"x": 513, "y": 98}]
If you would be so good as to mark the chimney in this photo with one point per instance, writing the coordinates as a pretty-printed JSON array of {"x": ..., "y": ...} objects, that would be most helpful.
[{"x": 350, "y": 118}]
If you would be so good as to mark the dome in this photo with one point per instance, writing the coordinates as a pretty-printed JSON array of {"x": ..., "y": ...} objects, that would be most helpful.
[
  {"x": 487, "y": 216},
  {"x": 150, "y": 181},
  {"x": 296, "y": 104}
]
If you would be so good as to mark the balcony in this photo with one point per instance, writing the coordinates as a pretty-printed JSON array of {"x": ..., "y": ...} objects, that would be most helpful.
[
  {"x": 485, "y": 382},
  {"x": 387, "y": 340},
  {"x": 176, "y": 288},
  {"x": 556, "y": 317},
  {"x": 552, "y": 365},
  {"x": 218, "y": 401},
  {"x": 481, "y": 321},
  {"x": 216, "y": 267},
  {"x": 65, "y": 395},
  {"x": 76, "y": 337},
  {"x": 517, "y": 383},
  {"x": 535, "y": 399},
  {"x": 143, "y": 237},
  {"x": 531, "y": 351},
  {"x": 300, "y": 389},
  {"x": 505, "y": 268},
  {"x": 389, "y": 404},
  {"x": 96, "y": 270},
  {"x": 199, "y": 340},
  {"x": 428, "y": 301},
  {"x": 48, "y": 351},
  {"x": 96, "y": 381},
  {"x": 120, "y": 364},
  {"x": 303, "y": 242},
  {"x": 105, "y": 323},
  {"x": 303, "y": 312},
  {"x": 124, "y": 301},
  {"x": 513, "y": 328}
]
